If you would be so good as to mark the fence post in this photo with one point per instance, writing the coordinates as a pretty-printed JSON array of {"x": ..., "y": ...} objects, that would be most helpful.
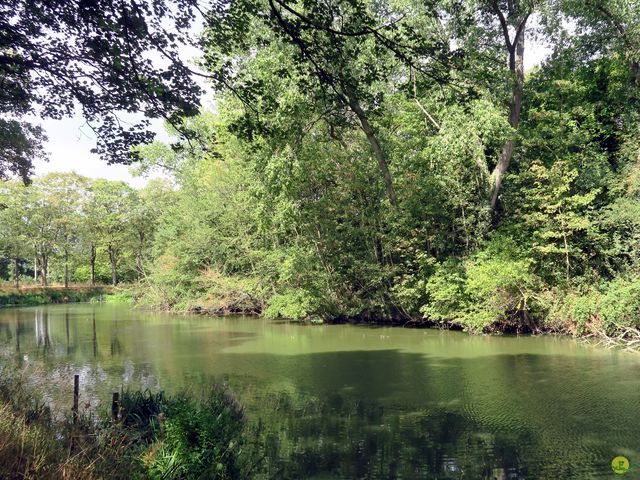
[
  {"x": 115, "y": 407},
  {"x": 76, "y": 395}
]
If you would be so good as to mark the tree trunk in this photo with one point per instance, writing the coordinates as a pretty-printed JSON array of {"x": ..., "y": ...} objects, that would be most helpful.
[
  {"x": 66, "y": 268},
  {"x": 516, "y": 67},
  {"x": 139, "y": 266},
  {"x": 139, "y": 254},
  {"x": 112, "y": 259},
  {"x": 375, "y": 146},
  {"x": 92, "y": 265},
  {"x": 16, "y": 272},
  {"x": 35, "y": 268},
  {"x": 44, "y": 264}
]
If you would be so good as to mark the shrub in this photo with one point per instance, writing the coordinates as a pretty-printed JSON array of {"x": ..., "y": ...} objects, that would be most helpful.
[
  {"x": 610, "y": 308},
  {"x": 295, "y": 304},
  {"x": 178, "y": 437},
  {"x": 619, "y": 307},
  {"x": 447, "y": 293},
  {"x": 199, "y": 439},
  {"x": 493, "y": 289}
]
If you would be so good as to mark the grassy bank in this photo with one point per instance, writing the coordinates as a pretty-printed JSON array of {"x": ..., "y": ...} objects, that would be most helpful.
[
  {"x": 154, "y": 436},
  {"x": 36, "y": 295}
]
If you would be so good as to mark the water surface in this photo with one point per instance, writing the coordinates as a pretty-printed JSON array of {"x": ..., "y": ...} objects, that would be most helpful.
[{"x": 358, "y": 402}]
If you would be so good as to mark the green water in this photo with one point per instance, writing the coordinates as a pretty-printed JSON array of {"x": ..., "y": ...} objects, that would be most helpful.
[{"x": 353, "y": 401}]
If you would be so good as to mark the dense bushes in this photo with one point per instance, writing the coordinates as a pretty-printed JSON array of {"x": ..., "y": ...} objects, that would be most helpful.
[
  {"x": 611, "y": 308},
  {"x": 493, "y": 289},
  {"x": 198, "y": 439}
]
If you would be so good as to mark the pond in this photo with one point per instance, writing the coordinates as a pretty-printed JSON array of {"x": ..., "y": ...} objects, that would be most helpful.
[{"x": 345, "y": 401}]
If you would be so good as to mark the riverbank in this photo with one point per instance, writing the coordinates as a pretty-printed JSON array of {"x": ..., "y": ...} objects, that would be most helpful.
[
  {"x": 608, "y": 315},
  {"x": 145, "y": 435},
  {"x": 608, "y": 318},
  {"x": 38, "y": 295}
]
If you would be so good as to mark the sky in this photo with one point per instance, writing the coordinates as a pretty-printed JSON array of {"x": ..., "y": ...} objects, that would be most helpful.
[
  {"x": 69, "y": 149},
  {"x": 70, "y": 141}
]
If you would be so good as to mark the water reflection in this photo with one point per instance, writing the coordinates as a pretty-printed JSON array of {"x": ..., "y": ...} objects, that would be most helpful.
[
  {"x": 354, "y": 402},
  {"x": 347, "y": 438},
  {"x": 41, "y": 321}
]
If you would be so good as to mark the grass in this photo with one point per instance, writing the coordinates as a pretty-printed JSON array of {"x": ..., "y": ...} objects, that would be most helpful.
[{"x": 156, "y": 436}]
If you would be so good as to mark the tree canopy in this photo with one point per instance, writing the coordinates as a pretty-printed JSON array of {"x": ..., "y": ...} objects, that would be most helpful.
[{"x": 105, "y": 58}]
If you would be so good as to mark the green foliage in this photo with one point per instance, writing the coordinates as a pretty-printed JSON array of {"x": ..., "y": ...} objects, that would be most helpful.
[
  {"x": 619, "y": 307},
  {"x": 122, "y": 297},
  {"x": 66, "y": 225},
  {"x": 199, "y": 439},
  {"x": 294, "y": 304},
  {"x": 446, "y": 293},
  {"x": 492, "y": 289},
  {"x": 82, "y": 273},
  {"x": 42, "y": 296},
  {"x": 158, "y": 436},
  {"x": 611, "y": 308}
]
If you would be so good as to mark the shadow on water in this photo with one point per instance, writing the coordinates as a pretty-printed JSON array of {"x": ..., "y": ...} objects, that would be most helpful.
[
  {"x": 345, "y": 438},
  {"x": 389, "y": 414}
]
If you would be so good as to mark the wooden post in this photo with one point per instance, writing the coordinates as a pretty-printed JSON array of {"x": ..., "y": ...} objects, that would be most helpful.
[
  {"x": 76, "y": 395},
  {"x": 115, "y": 407}
]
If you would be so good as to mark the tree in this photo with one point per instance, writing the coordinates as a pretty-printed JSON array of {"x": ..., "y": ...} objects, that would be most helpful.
[
  {"x": 13, "y": 233},
  {"x": 66, "y": 195},
  {"x": 516, "y": 16},
  {"x": 58, "y": 54},
  {"x": 341, "y": 54},
  {"x": 109, "y": 210},
  {"x": 42, "y": 226},
  {"x": 149, "y": 203}
]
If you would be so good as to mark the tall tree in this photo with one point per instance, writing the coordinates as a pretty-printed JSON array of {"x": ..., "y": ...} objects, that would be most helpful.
[
  {"x": 110, "y": 206},
  {"x": 148, "y": 205},
  {"x": 66, "y": 195},
  {"x": 14, "y": 237},
  {"x": 41, "y": 221},
  {"x": 512, "y": 16},
  {"x": 343, "y": 54}
]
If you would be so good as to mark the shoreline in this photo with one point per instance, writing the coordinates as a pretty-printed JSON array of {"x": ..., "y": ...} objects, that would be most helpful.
[
  {"x": 631, "y": 344},
  {"x": 55, "y": 294}
]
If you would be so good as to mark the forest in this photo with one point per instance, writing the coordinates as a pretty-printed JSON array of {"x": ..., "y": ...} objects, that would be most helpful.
[{"x": 364, "y": 161}]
